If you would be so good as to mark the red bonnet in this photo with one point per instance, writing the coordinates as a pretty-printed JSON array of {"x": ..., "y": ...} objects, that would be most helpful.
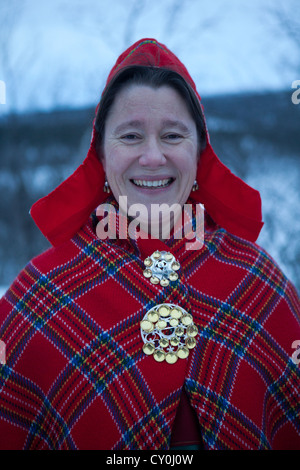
[{"x": 232, "y": 204}]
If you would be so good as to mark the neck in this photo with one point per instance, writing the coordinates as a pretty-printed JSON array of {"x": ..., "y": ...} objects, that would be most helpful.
[{"x": 165, "y": 225}]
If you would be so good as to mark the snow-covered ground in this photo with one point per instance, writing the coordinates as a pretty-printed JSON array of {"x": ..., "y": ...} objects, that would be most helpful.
[{"x": 57, "y": 53}]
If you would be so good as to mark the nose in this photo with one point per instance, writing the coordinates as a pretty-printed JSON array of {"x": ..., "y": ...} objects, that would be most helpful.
[{"x": 152, "y": 155}]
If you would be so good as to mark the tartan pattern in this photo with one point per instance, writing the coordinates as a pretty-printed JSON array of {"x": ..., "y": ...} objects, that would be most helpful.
[{"x": 75, "y": 375}]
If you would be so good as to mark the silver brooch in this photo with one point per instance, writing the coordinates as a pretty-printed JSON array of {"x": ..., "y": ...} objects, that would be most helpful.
[
  {"x": 168, "y": 333},
  {"x": 161, "y": 268}
]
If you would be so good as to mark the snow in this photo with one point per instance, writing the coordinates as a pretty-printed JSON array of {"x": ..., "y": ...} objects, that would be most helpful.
[
  {"x": 58, "y": 53},
  {"x": 3, "y": 289},
  {"x": 279, "y": 188}
]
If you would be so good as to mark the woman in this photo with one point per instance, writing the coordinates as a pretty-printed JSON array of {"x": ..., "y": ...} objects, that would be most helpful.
[{"x": 119, "y": 340}]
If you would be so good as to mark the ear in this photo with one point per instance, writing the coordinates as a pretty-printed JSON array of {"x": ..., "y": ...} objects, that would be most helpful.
[
  {"x": 103, "y": 161},
  {"x": 101, "y": 156}
]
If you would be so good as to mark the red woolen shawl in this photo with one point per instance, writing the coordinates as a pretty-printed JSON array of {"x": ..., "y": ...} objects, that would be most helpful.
[
  {"x": 232, "y": 204},
  {"x": 76, "y": 376}
]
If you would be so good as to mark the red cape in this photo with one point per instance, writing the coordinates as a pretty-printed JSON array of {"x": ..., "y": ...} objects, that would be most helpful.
[{"x": 76, "y": 376}]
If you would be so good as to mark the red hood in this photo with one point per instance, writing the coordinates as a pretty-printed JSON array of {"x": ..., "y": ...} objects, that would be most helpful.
[{"x": 232, "y": 204}]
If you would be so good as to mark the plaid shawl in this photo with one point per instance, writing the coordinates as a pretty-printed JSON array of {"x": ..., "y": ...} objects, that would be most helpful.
[{"x": 76, "y": 377}]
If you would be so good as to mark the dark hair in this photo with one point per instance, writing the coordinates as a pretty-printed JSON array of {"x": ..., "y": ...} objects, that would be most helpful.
[{"x": 154, "y": 77}]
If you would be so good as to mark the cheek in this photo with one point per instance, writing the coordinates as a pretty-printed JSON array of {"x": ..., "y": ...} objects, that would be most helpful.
[
  {"x": 115, "y": 163},
  {"x": 188, "y": 162},
  {"x": 103, "y": 161}
]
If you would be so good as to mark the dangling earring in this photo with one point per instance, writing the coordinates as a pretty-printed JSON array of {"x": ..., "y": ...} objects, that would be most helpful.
[
  {"x": 106, "y": 187},
  {"x": 195, "y": 186}
]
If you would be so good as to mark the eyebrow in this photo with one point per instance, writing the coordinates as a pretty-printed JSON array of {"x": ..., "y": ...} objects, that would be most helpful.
[
  {"x": 179, "y": 124},
  {"x": 126, "y": 125},
  {"x": 139, "y": 124}
]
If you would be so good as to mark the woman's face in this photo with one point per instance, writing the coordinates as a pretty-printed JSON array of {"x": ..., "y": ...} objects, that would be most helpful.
[{"x": 150, "y": 146}]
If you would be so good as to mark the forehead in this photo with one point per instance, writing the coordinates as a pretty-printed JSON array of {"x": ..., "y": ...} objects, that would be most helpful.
[{"x": 142, "y": 101}]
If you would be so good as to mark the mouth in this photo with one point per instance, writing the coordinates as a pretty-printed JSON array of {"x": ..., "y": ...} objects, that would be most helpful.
[{"x": 153, "y": 184}]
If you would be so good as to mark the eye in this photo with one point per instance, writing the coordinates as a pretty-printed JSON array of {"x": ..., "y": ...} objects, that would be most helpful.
[
  {"x": 129, "y": 137},
  {"x": 173, "y": 137}
]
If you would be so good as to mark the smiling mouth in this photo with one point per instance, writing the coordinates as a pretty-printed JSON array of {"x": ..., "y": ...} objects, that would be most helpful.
[{"x": 156, "y": 184}]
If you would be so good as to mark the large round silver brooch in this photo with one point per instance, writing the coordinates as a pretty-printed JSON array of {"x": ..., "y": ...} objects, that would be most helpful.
[{"x": 168, "y": 332}]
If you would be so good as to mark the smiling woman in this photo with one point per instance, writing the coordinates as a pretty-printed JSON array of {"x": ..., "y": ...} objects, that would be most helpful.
[
  {"x": 150, "y": 134},
  {"x": 139, "y": 342}
]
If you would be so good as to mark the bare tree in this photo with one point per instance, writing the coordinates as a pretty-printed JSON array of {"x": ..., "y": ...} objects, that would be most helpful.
[
  {"x": 10, "y": 14},
  {"x": 285, "y": 16}
]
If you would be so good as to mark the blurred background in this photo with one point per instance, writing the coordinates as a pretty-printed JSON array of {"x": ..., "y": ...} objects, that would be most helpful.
[{"x": 55, "y": 56}]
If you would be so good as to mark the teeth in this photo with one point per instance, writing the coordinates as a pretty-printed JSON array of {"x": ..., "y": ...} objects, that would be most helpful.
[{"x": 152, "y": 184}]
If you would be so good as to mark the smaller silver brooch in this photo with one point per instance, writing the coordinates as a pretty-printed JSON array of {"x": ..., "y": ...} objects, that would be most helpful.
[{"x": 161, "y": 268}]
